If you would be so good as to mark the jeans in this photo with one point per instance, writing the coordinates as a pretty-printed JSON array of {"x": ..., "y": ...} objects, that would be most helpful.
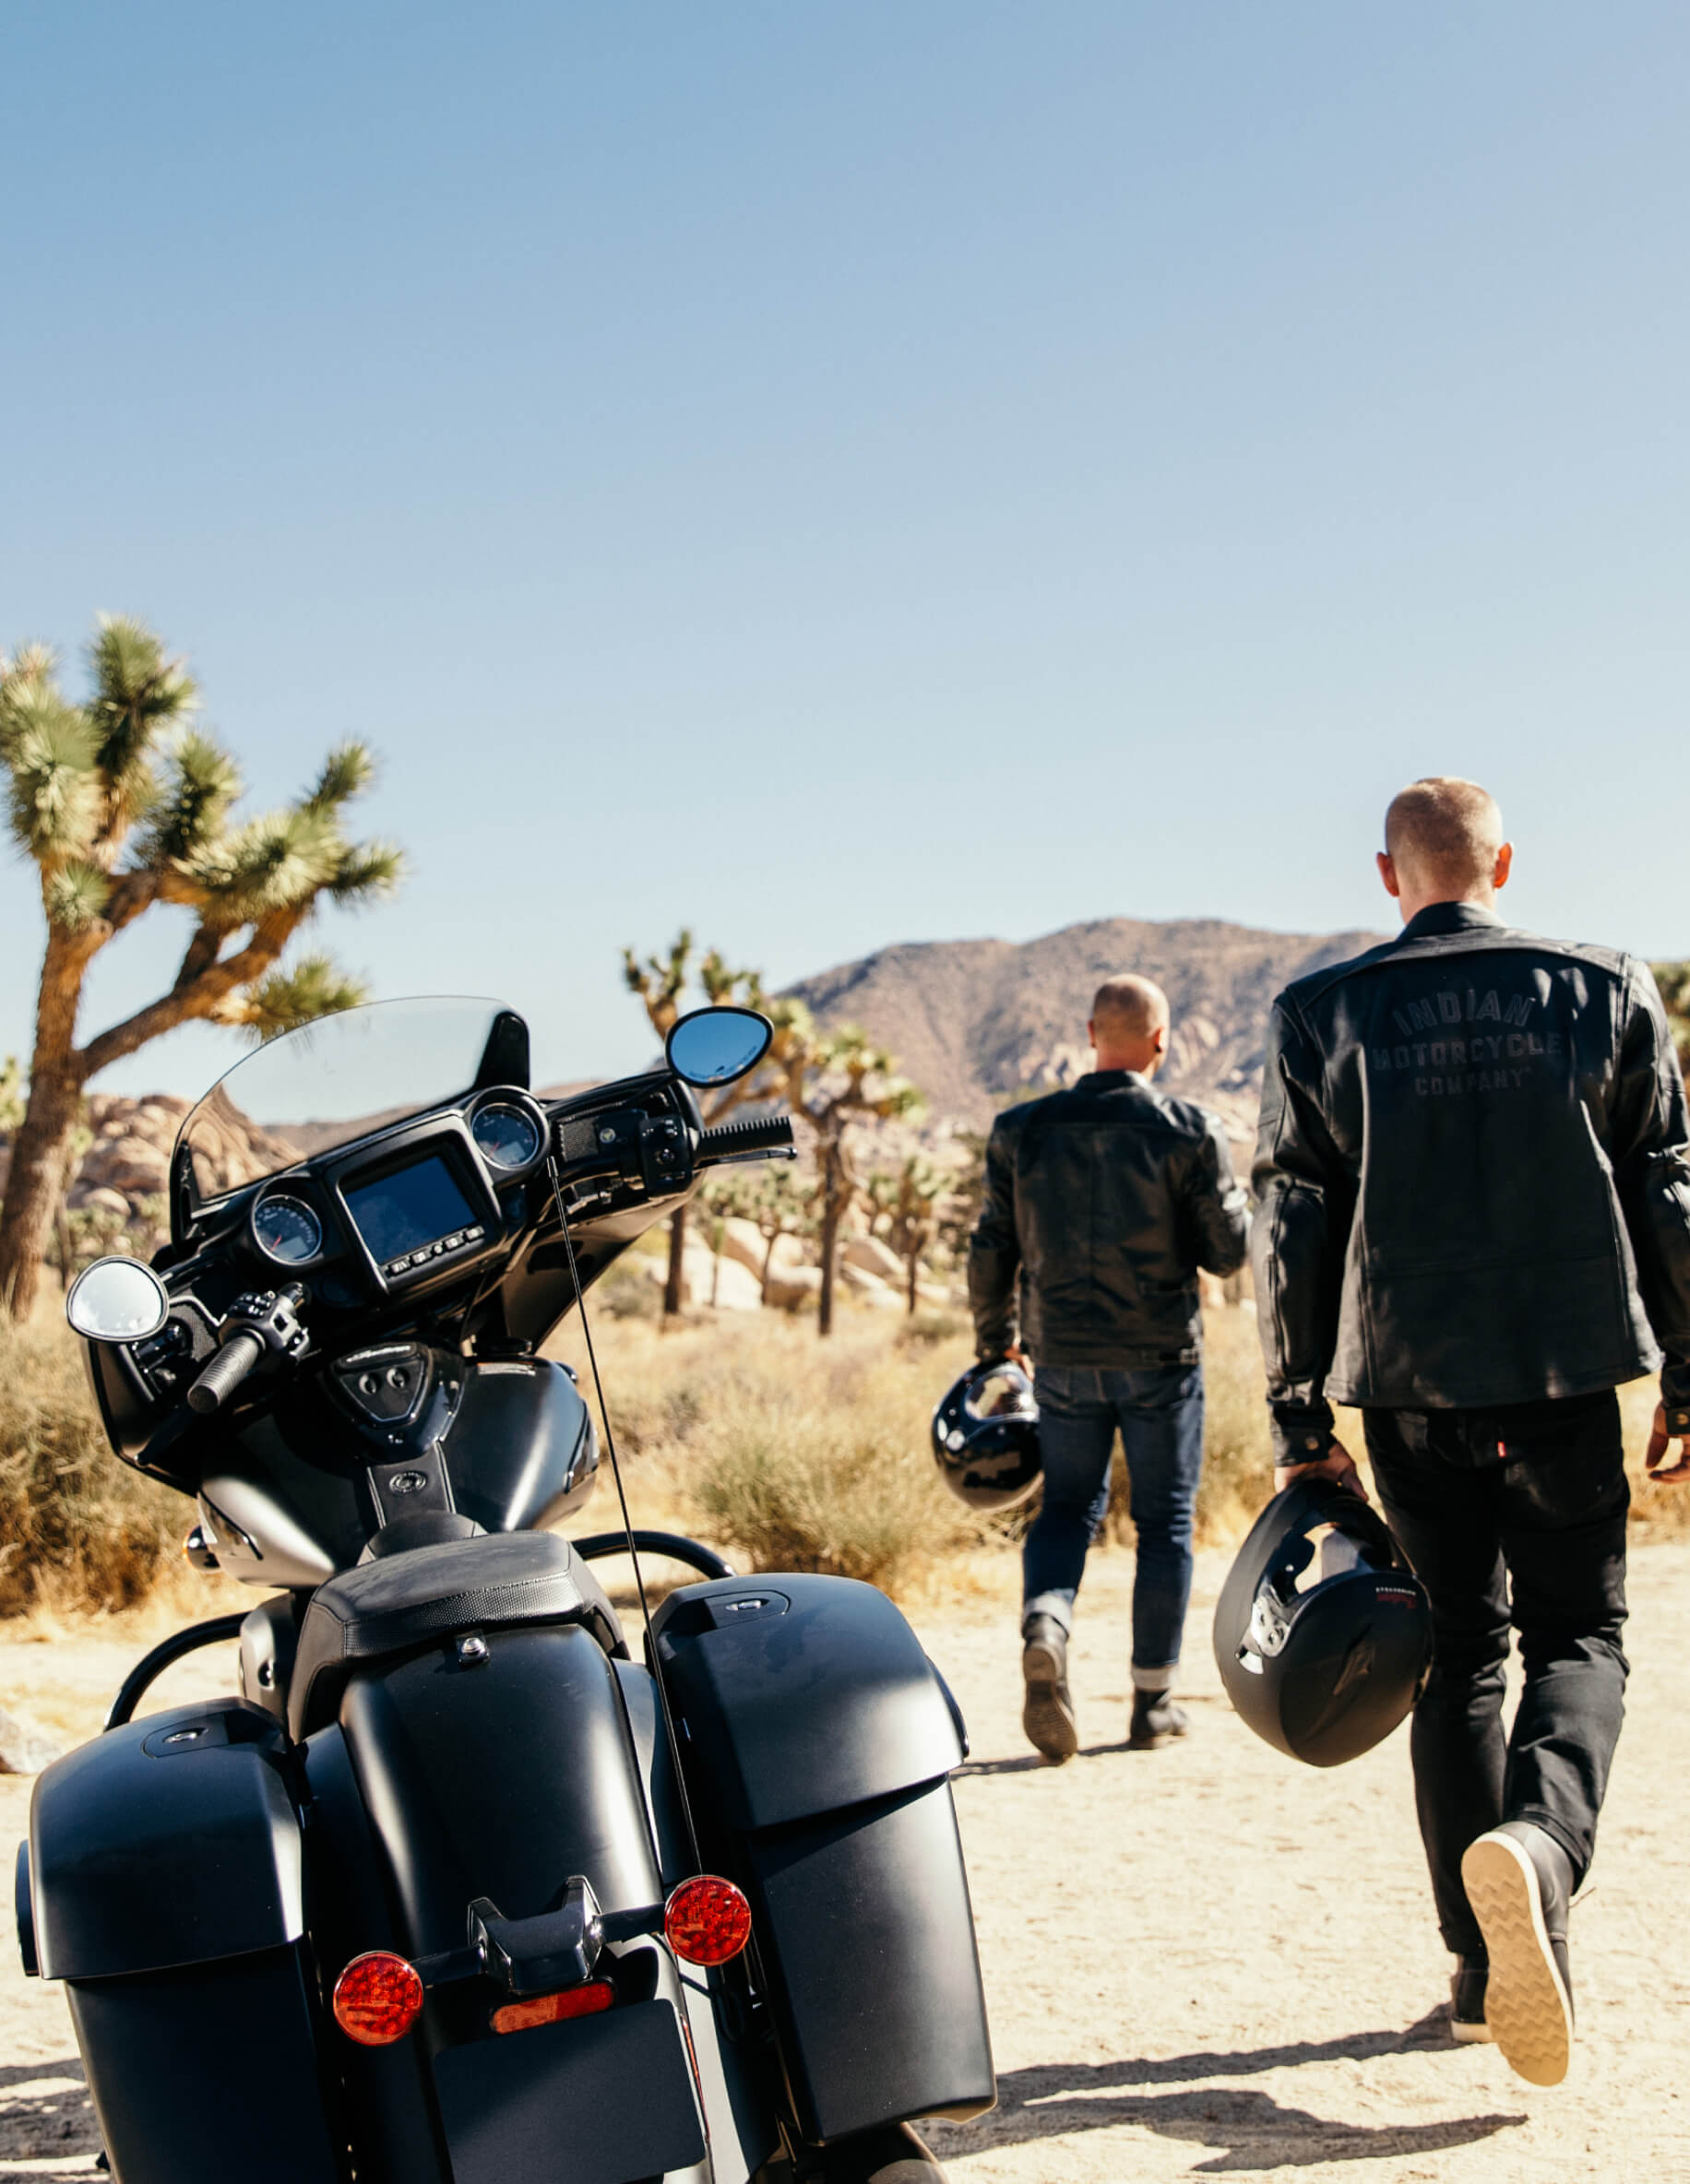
[
  {"x": 1515, "y": 1514},
  {"x": 1160, "y": 1413}
]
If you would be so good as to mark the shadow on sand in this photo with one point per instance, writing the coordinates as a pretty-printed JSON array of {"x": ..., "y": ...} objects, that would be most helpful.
[
  {"x": 48, "y": 2128},
  {"x": 1252, "y": 2129}
]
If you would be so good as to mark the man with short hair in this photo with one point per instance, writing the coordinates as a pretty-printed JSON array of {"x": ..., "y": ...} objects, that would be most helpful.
[
  {"x": 1101, "y": 1202},
  {"x": 1474, "y": 1171}
]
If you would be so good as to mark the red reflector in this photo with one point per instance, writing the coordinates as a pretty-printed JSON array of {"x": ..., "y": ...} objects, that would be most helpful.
[
  {"x": 550, "y": 2009},
  {"x": 378, "y": 1999},
  {"x": 707, "y": 1919}
]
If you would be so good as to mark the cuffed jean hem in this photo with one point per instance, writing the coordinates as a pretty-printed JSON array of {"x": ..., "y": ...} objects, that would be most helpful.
[
  {"x": 1155, "y": 1680},
  {"x": 1059, "y": 1606}
]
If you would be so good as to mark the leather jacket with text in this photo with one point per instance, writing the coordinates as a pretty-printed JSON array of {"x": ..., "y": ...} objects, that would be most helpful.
[
  {"x": 1104, "y": 1199},
  {"x": 1473, "y": 1176}
]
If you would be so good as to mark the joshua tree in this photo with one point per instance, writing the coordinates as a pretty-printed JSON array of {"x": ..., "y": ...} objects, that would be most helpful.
[
  {"x": 123, "y": 806},
  {"x": 908, "y": 1203},
  {"x": 659, "y": 982},
  {"x": 768, "y": 1196},
  {"x": 833, "y": 1080}
]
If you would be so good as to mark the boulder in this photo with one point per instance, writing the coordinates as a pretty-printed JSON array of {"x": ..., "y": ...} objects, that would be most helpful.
[
  {"x": 874, "y": 1257},
  {"x": 131, "y": 1164},
  {"x": 742, "y": 1243},
  {"x": 737, "y": 1288},
  {"x": 868, "y": 1288},
  {"x": 23, "y": 1749},
  {"x": 100, "y": 1201},
  {"x": 790, "y": 1288}
]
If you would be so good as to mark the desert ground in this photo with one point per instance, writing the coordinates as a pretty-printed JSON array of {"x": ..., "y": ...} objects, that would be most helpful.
[{"x": 1201, "y": 1962}]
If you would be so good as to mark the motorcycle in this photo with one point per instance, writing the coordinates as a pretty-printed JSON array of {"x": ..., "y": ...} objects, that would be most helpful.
[{"x": 456, "y": 1888}]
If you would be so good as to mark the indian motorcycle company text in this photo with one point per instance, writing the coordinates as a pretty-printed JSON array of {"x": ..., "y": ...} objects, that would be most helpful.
[{"x": 1448, "y": 1047}]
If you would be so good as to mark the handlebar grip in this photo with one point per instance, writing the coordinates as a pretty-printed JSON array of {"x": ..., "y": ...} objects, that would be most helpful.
[
  {"x": 224, "y": 1374},
  {"x": 773, "y": 1134}
]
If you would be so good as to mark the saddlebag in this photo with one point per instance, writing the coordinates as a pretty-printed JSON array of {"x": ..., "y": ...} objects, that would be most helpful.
[
  {"x": 165, "y": 1890},
  {"x": 817, "y": 1741}
]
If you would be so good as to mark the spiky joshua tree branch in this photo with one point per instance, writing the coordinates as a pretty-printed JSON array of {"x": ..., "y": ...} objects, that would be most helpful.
[{"x": 123, "y": 806}]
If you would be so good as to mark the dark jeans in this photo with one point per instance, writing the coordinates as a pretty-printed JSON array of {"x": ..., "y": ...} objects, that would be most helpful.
[
  {"x": 1160, "y": 1413},
  {"x": 1515, "y": 1514}
]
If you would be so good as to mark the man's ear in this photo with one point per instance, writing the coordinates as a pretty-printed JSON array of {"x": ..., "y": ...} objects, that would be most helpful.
[
  {"x": 1091, "y": 1033},
  {"x": 1504, "y": 865},
  {"x": 1388, "y": 872},
  {"x": 1159, "y": 1044}
]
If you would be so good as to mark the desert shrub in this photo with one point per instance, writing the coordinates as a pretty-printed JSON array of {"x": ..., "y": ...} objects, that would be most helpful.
[
  {"x": 73, "y": 1519},
  {"x": 790, "y": 1452},
  {"x": 628, "y": 1292},
  {"x": 931, "y": 1324}
]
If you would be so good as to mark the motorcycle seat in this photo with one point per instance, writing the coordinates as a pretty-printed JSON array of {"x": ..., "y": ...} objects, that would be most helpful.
[{"x": 406, "y": 1601}]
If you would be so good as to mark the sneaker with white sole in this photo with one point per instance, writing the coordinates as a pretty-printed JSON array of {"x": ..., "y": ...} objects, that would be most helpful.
[{"x": 1519, "y": 1880}]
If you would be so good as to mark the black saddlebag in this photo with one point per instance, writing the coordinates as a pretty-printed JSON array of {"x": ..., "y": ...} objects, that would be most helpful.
[
  {"x": 817, "y": 1742},
  {"x": 165, "y": 1891}
]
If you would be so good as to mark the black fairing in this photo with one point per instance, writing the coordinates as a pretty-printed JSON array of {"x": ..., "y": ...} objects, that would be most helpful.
[{"x": 817, "y": 1741}]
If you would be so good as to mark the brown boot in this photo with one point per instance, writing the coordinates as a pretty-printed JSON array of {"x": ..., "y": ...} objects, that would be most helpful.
[{"x": 1047, "y": 1713}]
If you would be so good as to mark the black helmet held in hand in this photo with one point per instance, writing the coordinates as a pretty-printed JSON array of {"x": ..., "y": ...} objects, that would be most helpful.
[
  {"x": 1326, "y": 1671},
  {"x": 985, "y": 1436}
]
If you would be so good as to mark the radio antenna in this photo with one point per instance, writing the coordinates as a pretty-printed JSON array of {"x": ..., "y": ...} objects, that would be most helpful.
[{"x": 627, "y": 1521}]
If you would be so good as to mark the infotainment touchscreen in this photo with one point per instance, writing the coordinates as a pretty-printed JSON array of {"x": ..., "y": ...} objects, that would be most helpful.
[{"x": 408, "y": 1207}]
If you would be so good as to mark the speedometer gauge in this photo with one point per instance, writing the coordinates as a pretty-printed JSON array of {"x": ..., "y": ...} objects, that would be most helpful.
[
  {"x": 509, "y": 1136},
  {"x": 288, "y": 1230}
]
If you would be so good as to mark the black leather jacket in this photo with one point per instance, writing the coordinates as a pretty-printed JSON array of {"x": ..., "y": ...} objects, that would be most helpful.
[
  {"x": 1105, "y": 1199},
  {"x": 1474, "y": 1179}
]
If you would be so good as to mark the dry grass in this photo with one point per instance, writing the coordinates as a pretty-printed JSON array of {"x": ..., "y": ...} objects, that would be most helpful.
[
  {"x": 79, "y": 1530},
  {"x": 748, "y": 1429}
]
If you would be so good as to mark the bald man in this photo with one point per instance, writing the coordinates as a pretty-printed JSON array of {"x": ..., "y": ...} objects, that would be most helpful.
[
  {"x": 1474, "y": 1182},
  {"x": 1101, "y": 1202}
]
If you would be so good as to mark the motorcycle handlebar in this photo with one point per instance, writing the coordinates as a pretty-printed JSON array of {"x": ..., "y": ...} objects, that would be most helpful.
[
  {"x": 224, "y": 1374},
  {"x": 773, "y": 1134}
]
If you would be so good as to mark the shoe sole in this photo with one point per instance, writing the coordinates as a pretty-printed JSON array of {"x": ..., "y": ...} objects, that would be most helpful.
[
  {"x": 1154, "y": 1743},
  {"x": 1469, "y": 2033},
  {"x": 1047, "y": 1716},
  {"x": 1526, "y": 2006}
]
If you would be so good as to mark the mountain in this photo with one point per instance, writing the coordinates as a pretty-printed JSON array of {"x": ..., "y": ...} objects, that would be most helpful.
[{"x": 973, "y": 1022}]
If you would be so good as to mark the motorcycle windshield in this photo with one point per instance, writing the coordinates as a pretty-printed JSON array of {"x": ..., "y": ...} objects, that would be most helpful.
[{"x": 331, "y": 1082}]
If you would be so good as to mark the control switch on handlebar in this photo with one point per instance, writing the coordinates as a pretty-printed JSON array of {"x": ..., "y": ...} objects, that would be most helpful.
[{"x": 259, "y": 1323}]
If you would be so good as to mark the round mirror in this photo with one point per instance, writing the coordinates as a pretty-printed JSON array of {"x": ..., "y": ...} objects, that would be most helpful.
[
  {"x": 714, "y": 1046},
  {"x": 117, "y": 1300}
]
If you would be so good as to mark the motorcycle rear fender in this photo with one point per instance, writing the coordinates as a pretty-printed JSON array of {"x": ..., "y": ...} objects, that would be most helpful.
[
  {"x": 165, "y": 1884},
  {"x": 500, "y": 1776}
]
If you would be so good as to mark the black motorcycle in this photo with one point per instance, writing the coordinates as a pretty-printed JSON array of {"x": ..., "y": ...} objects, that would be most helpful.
[{"x": 457, "y": 1890}]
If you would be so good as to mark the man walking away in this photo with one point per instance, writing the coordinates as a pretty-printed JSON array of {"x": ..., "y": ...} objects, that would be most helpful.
[
  {"x": 1475, "y": 1223},
  {"x": 1104, "y": 1199}
]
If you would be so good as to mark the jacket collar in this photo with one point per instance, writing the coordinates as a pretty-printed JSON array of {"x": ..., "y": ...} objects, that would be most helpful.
[
  {"x": 1105, "y": 1077},
  {"x": 1449, "y": 917}
]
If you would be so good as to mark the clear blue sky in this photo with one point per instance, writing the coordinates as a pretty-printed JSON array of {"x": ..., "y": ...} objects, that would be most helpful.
[{"x": 840, "y": 474}]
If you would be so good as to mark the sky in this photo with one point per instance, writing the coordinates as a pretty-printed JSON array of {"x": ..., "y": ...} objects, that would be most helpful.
[{"x": 845, "y": 474}]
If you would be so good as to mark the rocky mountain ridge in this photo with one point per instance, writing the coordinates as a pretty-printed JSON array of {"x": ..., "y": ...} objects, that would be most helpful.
[{"x": 974, "y": 1023}]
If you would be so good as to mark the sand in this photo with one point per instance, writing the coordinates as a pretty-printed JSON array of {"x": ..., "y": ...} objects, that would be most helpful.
[{"x": 1200, "y": 1962}]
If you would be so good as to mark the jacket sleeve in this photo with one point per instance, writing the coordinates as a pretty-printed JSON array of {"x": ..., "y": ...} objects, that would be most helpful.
[
  {"x": 1650, "y": 1146},
  {"x": 1216, "y": 1205},
  {"x": 1304, "y": 1201},
  {"x": 995, "y": 1252}
]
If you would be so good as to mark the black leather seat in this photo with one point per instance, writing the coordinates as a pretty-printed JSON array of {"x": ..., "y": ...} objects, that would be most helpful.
[{"x": 422, "y": 1595}]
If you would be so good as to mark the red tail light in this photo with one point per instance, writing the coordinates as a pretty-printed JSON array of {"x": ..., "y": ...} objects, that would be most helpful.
[
  {"x": 707, "y": 1919},
  {"x": 378, "y": 1999},
  {"x": 550, "y": 2009}
]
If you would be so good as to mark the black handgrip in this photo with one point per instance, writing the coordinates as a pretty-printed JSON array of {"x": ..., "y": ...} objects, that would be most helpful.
[
  {"x": 773, "y": 1134},
  {"x": 224, "y": 1374}
]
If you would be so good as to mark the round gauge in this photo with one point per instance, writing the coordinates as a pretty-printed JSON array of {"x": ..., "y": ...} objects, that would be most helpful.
[
  {"x": 288, "y": 1229},
  {"x": 510, "y": 1136}
]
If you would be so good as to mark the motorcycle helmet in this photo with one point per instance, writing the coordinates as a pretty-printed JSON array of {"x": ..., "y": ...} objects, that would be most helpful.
[
  {"x": 985, "y": 1436},
  {"x": 1326, "y": 1671}
]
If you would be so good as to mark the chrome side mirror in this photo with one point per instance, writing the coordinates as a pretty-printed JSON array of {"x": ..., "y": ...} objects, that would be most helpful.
[
  {"x": 715, "y": 1046},
  {"x": 117, "y": 1300}
]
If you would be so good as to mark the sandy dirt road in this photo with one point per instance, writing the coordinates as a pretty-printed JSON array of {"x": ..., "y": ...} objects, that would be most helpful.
[{"x": 1200, "y": 1962}]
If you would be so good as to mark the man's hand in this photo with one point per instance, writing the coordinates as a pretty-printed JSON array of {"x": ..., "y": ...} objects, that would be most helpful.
[
  {"x": 1660, "y": 1437},
  {"x": 1337, "y": 1465}
]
